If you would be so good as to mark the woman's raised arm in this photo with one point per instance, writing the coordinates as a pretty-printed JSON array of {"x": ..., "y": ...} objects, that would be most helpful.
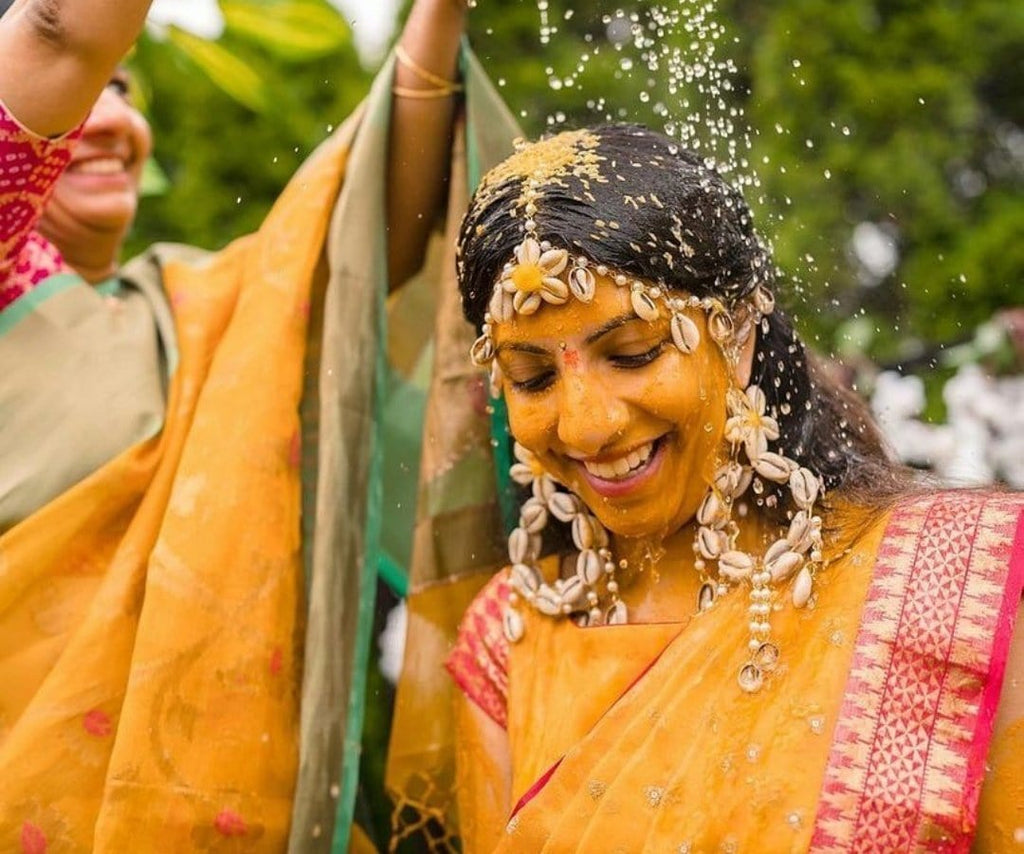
[
  {"x": 59, "y": 54},
  {"x": 421, "y": 128}
]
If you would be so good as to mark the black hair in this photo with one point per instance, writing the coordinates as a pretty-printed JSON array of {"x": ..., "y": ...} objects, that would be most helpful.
[{"x": 654, "y": 210}]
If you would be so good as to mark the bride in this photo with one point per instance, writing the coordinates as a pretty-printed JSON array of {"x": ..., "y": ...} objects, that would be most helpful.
[{"x": 728, "y": 621}]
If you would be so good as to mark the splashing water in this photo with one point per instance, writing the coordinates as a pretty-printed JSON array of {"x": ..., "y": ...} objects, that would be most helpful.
[{"x": 689, "y": 88}]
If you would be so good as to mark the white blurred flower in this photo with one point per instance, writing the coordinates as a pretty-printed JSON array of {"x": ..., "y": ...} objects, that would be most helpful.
[
  {"x": 392, "y": 642},
  {"x": 983, "y": 440},
  {"x": 874, "y": 246},
  {"x": 199, "y": 17}
]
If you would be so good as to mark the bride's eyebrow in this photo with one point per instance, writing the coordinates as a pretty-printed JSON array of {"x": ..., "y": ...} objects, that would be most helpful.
[
  {"x": 521, "y": 347},
  {"x": 611, "y": 325}
]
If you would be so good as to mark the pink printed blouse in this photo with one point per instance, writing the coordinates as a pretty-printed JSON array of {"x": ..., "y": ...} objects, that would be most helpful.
[{"x": 29, "y": 168}]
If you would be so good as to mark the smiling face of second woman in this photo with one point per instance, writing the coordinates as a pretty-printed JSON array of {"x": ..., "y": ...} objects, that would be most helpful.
[
  {"x": 613, "y": 410},
  {"x": 95, "y": 200}
]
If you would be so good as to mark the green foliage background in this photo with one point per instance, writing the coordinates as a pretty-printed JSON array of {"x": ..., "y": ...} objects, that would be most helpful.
[
  {"x": 233, "y": 119},
  {"x": 927, "y": 92}
]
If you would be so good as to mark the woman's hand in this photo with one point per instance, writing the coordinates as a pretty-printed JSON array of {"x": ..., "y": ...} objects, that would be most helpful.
[
  {"x": 421, "y": 128},
  {"x": 58, "y": 55}
]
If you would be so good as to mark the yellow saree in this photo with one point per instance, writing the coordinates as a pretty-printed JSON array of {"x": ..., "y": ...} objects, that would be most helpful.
[
  {"x": 184, "y": 634},
  {"x": 872, "y": 736},
  {"x": 150, "y": 614}
]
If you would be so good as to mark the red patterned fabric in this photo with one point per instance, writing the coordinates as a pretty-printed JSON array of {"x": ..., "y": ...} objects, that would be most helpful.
[
  {"x": 479, "y": 660},
  {"x": 29, "y": 167},
  {"x": 908, "y": 756}
]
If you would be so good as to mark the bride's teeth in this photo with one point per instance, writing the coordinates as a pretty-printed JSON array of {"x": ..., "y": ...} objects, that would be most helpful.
[{"x": 623, "y": 466}]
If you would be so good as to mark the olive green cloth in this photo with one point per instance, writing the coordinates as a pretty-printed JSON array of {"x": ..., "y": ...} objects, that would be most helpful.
[{"x": 83, "y": 376}]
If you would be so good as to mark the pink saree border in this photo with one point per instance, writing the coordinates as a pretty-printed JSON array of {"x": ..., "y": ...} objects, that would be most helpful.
[{"x": 907, "y": 758}]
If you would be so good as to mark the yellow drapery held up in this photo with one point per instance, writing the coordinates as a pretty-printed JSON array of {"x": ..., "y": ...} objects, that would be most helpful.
[{"x": 150, "y": 617}]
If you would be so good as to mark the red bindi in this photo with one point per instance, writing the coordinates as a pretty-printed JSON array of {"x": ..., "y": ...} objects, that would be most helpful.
[{"x": 572, "y": 358}]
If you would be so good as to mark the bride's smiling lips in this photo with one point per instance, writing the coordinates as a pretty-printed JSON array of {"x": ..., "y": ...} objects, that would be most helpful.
[{"x": 612, "y": 477}]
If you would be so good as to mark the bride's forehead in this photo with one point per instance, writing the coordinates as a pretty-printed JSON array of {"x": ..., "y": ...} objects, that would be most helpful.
[{"x": 573, "y": 319}]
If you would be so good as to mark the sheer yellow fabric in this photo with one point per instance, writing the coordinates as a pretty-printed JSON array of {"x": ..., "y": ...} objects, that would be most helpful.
[
  {"x": 633, "y": 759},
  {"x": 150, "y": 616}
]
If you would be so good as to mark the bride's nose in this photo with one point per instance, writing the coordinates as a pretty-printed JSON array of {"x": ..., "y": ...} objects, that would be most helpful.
[{"x": 590, "y": 416}]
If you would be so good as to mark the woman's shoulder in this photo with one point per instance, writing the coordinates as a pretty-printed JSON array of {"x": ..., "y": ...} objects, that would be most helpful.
[{"x": 478, "y": 661}]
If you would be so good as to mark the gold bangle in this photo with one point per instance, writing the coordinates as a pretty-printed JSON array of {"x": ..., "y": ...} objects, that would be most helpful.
[
  {"x": 422, "y": 94},
  {"x": 448, "y": 86}
]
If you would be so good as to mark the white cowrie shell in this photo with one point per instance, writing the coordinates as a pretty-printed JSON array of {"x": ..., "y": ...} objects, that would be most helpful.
[
  {"x": 512, "y": 623},
  {"x": 685, "y": 334},
  {"x": 617, "y": 614},
  {"x": 554, "y": 291},
  {"x": 583, "y": 532},
  {"x": 756, "y": 398},
  {"x": 735, "y": 565},
  {"x": 774, "y": 467},
  {"x": 519, "y": 545},
  {"x": 711, "y": 512},
  {"x": 755, "y": 443},
  {"x": 548, "y": 602},
  {"x": 563, "y": 506},
  {"x": 784, "y": 565},
  {"x": 727, "y": 478},
  {"x": 777, "y": 548},
  {"x": 526, "y": 578},
  {"x": 582, "y": 284},
  {"x": 644, "y": 306},
  {"x": 500, "y": 305},
  {"x": 705, "y": 596},
  {"x": 543, "y": 488},
  {"x": 804, "y": 487},
  {"x": 711, "y": 543},
  {"x": 720, "y": 326},
  {"x": 799, "y": 534},
  {"x": 802, "y": 588},
  {"x": 533, "y": 516},
  {"x": 574, "y": 591},
  {"x": 526, "y": 303},
  {"x": 589, "y": 567},
  {"x": 495, "y": 379},
  {"x": 482, "y": 351},
  {"x": 521, "y": 473},
  {"x": 746, "y": 476},
  {"x": 763, "y": 300}
]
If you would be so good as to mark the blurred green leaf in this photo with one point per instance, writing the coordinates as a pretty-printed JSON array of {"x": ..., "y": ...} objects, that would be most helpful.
[
  {"x": 226, "y": 68},
  {"x": 154, "y": 181},
  {"x": 295, "y": 30}
]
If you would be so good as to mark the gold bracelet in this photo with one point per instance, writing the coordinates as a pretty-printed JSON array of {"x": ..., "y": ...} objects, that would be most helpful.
[
  {"x": 422, "y": 94},
  {"x": 442, "y": 85}
]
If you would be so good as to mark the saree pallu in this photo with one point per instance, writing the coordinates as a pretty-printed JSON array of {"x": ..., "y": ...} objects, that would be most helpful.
[
  {"x": 163, "y": 684},
  {"x": 871, "y": 735}
]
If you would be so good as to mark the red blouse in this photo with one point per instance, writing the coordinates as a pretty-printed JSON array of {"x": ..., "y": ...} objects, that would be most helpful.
[
  {"x": 29, "y": 168},
  {"x": 479, "y": 660}
]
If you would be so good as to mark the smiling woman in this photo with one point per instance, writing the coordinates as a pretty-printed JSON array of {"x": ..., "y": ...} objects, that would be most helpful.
[
  {"x": 95, "y": 199},
  {"x": 751, "y": 584}
]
